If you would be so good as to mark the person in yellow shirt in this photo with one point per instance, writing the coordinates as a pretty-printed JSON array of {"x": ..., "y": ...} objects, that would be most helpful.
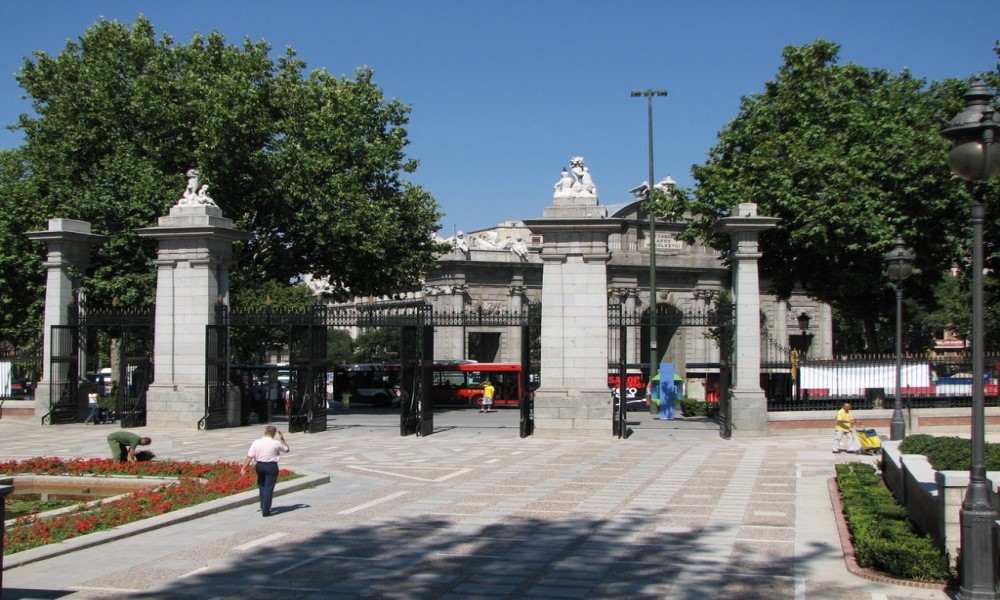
[
  {"x": 488, "y": 391},
  {"x": 844, "y": 428}
]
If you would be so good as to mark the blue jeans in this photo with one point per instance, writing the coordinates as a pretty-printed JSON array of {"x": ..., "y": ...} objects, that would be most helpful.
[{"x": 267, "y": 477}]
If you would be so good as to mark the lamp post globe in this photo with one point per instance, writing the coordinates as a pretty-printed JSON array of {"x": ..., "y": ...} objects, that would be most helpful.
[
  {"x": 975, "y": 157},
  {"x": 899, "y": 266}
]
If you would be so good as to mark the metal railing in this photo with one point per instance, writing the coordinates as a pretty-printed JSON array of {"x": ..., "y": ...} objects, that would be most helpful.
[{"x": 868, "y": 382}]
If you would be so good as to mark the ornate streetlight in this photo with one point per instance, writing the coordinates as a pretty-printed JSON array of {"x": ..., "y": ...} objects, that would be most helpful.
[
  {"x": 899, "y": 265},
  {"x": 975, "y": 157},
  {"x": 649, "y": 94}
]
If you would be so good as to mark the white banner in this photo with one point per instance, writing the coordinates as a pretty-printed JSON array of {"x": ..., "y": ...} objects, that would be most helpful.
[
  {"x": 6, "y": 382},
  {"x": 841, "y": 380}
]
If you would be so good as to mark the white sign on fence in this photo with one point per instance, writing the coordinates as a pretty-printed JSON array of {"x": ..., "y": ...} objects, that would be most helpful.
[{"x": 841, "y": 380}]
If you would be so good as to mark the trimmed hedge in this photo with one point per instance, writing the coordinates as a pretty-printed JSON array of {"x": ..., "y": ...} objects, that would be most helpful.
[
  {"x": 697, "y": 408},
  {"x": 949, "y": 453},
  {"x": 884, "y": 537}
]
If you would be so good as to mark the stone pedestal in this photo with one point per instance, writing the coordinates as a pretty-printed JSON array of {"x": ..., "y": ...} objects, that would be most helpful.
[
  {"x": 69, "y": 243},
  {"x": 749, "y": 405},
  {"x": 195, "y": 251},
  {"x": 574, "y": 399}
]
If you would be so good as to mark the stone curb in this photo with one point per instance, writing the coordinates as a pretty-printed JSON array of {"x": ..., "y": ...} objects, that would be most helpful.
[
  {"x": 847, "y": 545},
  {"x": 190, "y": 513}
]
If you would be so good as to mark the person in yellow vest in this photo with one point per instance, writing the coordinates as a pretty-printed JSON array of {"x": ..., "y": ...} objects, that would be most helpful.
[
  {"x": 488, "y": 391},
  {"x": 844, "y": 427}
]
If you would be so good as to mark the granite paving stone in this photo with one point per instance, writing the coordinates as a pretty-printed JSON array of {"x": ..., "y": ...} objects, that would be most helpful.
[{"x": 478, "y": 512}]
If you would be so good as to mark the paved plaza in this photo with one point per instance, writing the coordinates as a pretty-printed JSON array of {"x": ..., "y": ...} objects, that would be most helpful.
[{"x": 474, "y": 511}]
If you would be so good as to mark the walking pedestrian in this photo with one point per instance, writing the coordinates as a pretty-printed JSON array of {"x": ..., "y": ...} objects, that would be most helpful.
[
  {"x": 844, "y": 428},
  {"x": 265, "y": 452}
]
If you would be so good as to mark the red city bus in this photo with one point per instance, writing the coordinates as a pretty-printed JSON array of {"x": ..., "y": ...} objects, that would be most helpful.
[
  {"x": 458, "y": 382},
  {"x": 461, "y": 383}
]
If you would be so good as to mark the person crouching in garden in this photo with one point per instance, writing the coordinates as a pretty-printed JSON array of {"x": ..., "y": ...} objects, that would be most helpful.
[
  {"x": 123, "y": 445},
  {"x": 265, "y": 452}
]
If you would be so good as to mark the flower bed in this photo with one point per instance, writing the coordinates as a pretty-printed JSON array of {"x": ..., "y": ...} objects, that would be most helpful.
[{"x": 196, "y": 483}]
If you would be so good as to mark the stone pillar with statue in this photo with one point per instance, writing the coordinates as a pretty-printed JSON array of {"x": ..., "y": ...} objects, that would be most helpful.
[
  {"x": 193, "y": 259},
  {"x": 574, "y": 400}
]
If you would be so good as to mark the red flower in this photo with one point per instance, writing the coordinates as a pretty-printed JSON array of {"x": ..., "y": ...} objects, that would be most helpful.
[{"x": 197, "y": 483}]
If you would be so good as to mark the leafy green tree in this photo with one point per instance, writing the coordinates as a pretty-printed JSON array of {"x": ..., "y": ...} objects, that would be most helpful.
[
  {"x": 848, "y": 158},
  {"x": 22, "y": 276},
  {"x": 311, "y": 164},
  {"x": 381, "y": 344},
  {"x": 250, "y": 344},
  {"x": 340, "y": 347}
]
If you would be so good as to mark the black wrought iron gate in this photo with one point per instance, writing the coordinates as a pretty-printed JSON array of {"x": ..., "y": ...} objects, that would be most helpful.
[
  {"x": 305, "y": 336},
  {"x": 719, "y": 323},
  {"x": 307, "y": 343},
  {"x": 125, "y": 339}
]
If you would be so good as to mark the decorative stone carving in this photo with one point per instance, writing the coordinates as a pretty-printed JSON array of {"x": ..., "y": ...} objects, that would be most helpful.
[
  {"x": 623, "y": 293},
  {"x": 519, "y": 248},
  {"x": 195, "y": 195},
  {"x": 445, "y": 290},
  {"x": 575, "y": 182},
  {"x": 490, "y": 307},
  {"x": 487, "y": 241}
]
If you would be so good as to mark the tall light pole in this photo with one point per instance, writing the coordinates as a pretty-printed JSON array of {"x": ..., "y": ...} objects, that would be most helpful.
[
  {"x": 649, "y": 94},
  {"x": 975, "y": 157},
  {"x": 899, "y": 264}
]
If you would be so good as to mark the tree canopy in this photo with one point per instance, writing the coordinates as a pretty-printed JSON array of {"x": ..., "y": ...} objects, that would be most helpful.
[
  {"x": 849, "y": 158},
  {"x": 311, "y": 164}
]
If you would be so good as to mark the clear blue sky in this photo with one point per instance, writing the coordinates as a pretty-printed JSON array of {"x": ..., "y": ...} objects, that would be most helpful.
[{"x": 504, "y": 93}]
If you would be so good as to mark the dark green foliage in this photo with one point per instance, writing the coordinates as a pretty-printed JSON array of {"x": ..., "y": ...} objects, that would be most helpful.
[
  {"x": 339, "y": 347},
  {"x": 849, "y": 158},
  {"x": 311, "y": 164},
  {"x": 949, "y": 453},
  {"x": 884, "y": 538},
  {"x": 378, "y": 345},
  {"x": 694, "y": 408}
]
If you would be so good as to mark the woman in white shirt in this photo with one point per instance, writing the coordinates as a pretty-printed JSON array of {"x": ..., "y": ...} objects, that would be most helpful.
[{"x": 265, "y": 452}]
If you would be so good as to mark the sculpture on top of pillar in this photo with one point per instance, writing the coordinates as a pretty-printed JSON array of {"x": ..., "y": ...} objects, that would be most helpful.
[
  {"x": 195, "y": 195},
  {"x": 576, "y": 181}
]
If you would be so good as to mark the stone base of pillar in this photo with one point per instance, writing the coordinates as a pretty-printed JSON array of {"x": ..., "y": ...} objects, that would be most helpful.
[
  {"x": 42, "y": 393},
  {"x": 749, "y": 410},
  {"x": 175, "y": 406},
  {"x": 567, "y": 413}
]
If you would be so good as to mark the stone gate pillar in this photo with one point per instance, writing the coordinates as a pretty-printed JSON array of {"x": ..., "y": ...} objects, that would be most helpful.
[
  {"x": 195, "y": 251},
  {"x": 69, "y": 243},
  {"x": 574, "y": 399},
  {"x": 749, "y": 406}
]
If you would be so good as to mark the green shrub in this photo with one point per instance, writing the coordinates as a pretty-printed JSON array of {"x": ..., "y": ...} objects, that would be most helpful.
[
  {"x": 884, "y": 537},
  {"x": 949, "y": 453},
  {"x": 698, "y": 408}
]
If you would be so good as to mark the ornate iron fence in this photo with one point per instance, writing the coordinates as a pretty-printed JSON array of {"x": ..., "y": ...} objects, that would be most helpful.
[{"x": 869, "y": 382}]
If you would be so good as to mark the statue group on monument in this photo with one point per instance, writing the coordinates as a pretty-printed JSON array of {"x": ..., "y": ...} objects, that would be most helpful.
[
  {"x": 576, "y": 181},
  {"x": 193, "y": 194}
]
